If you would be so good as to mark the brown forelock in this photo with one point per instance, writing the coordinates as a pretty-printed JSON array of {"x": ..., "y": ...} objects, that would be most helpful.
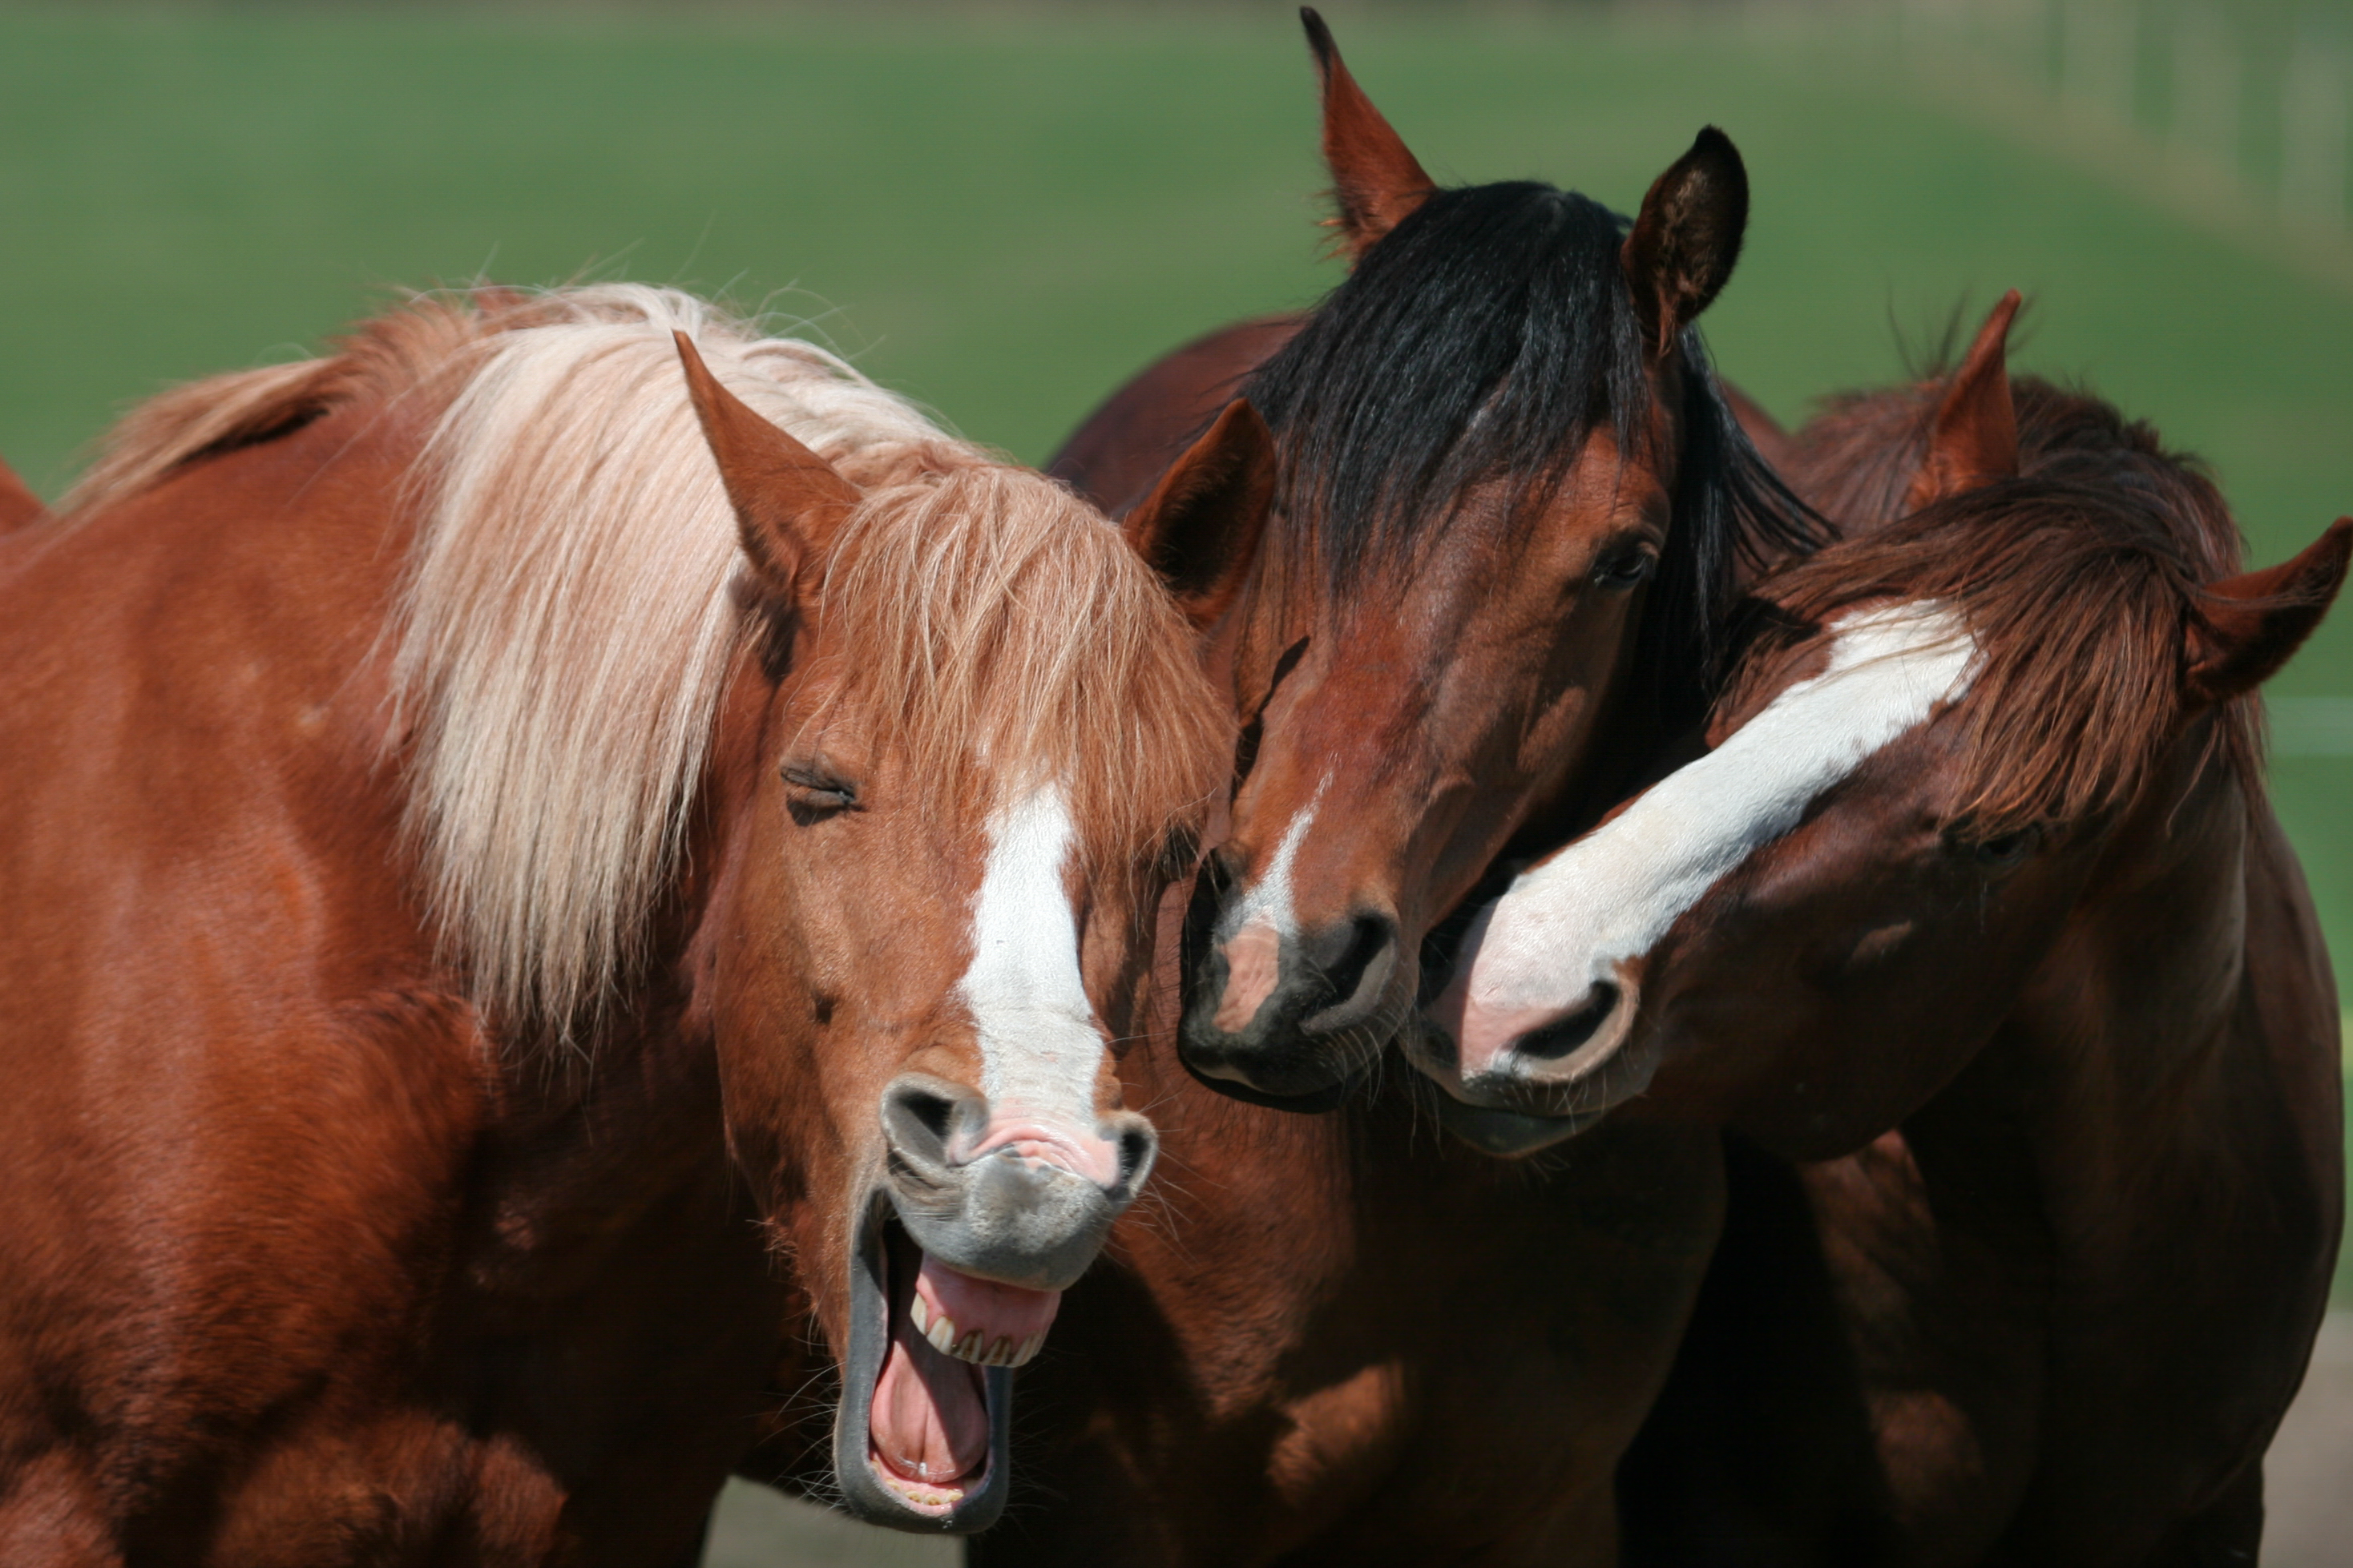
[
  {"x": 994, "y": 626},
  {"x": 2076, "y": 580}
]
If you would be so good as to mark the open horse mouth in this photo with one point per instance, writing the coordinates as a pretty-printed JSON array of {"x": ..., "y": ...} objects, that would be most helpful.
[{"x": 920, "y": 1441}]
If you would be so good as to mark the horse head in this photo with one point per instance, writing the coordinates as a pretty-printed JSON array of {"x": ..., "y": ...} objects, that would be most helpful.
[
  {"x": 971, "y": 746},
  {"x": 1956, "y": 722},
  {"x": 1502, "y": 460}
]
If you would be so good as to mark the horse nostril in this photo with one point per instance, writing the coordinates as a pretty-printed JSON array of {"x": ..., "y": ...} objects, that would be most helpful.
[
  {"x": 1370, "y": 939},
  {"x": 1138, "y": 1146},
  {"x": 932, "y": 1110},
  {"x": 920, "y": 1116},
  {"x": 1567, "y": 1032}
]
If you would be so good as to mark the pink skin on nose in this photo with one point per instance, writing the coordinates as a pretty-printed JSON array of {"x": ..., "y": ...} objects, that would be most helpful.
[
  {"x": 1483, "y": 1036},
  {"x": 1035, "y": 1138},
  {"x": 1253, "y": 966}
]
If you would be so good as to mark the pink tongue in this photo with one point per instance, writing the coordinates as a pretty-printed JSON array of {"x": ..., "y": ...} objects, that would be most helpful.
[{"x": 930, "y": 1422}]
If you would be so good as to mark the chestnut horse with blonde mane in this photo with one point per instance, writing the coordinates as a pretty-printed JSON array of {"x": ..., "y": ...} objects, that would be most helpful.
[
  {"x": 510, "y": 921},
  {"x": 1974, "y": 927}
]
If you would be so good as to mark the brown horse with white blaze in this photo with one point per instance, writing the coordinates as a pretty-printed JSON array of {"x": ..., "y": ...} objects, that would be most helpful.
[
  {"x": 461, "y": 838},
  {"x": 1506, "y": 504},
  {"x": 1973, "y": 925}
]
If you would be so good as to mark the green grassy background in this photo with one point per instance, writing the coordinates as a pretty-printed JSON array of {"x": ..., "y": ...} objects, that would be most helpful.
[{"x": 1006, "y": 212}]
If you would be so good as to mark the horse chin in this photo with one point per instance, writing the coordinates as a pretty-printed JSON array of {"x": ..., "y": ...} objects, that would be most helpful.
[
  {"x": 1510, "y": 1134},
  {"x": 899, "y": 1392},
  {"x": 1315, "y": 1102}
]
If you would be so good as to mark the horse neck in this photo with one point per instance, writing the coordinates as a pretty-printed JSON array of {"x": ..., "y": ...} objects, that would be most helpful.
[
  {"x": 2166, "y": 1036},
  {"x": 2145, "y": 976}
]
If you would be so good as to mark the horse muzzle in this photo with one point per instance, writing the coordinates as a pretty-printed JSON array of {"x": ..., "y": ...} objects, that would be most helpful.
[
  {"x": 1519, "y": 1080},
  {"x": 1289, "y": 1017},
  {"x": 977, "y": 1221}
]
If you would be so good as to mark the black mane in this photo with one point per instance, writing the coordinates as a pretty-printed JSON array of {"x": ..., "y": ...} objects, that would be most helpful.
[{"x": 1488, "y": 334}]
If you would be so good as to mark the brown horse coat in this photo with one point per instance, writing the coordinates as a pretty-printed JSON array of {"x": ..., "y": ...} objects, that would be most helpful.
[
  {"x": 386, "y": 1187},
  {"x": 2025, "y": 1026}
]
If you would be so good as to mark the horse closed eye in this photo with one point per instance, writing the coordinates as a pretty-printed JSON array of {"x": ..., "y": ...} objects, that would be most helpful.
[
  {"x": 811, "y": 793},
  {"x": 1624, "y": 568},
  {"x": 2005, "y": 851}
]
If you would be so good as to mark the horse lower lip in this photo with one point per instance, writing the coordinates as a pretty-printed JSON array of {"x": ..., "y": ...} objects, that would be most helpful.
[{"x": 1509, "y": 1132}]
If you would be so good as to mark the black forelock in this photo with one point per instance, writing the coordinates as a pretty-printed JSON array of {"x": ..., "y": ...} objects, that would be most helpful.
[
  {"x": 1487, "y": 336},
  {"x": 1482, "y": 336}
]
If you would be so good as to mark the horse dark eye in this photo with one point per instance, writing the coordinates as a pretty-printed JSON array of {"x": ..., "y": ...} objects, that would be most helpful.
[
  {"x": 1624, "y": 568},
  {"x": 812, "y": 791},
  {"x": 2005, "y": 850}
]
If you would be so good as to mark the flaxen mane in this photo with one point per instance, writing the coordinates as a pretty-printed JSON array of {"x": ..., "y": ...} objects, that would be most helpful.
[
  {"x": 569, "y": 613},
  {"x": 2077, "y": 578}
]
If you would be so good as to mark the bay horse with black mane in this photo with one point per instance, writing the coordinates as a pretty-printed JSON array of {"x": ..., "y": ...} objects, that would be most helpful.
[
  {"x": 1974, "y": 928},
  {"x": 510, "y": 921},
  {"x": 1507, "y": 507}
]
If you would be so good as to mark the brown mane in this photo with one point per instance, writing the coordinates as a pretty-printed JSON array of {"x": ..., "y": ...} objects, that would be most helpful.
[{"x": 2077, "y": 578}]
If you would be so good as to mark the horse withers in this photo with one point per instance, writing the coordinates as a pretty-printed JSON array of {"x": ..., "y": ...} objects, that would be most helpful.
[
  {"x": 461, "y": 838},
  {"x": 1973, "y": 910}
]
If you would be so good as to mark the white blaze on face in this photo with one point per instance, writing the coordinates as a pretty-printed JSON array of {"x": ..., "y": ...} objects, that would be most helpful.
[
  {"x": 1569, "y": 922},
  {"x": 1040, "y": 1048},
  {"x": 1259, "y": 924}
]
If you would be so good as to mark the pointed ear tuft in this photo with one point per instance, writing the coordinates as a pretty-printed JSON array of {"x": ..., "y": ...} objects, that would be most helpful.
[
  {"x": 1199, "y": 528},
  {"x": 1375, "y": 183},
  {"x": 2247, "y": 627},
  {"x": 788, "y": 501},
  {"x": 1974, "y": 440},
  {"x": 1687, "y": 236}
]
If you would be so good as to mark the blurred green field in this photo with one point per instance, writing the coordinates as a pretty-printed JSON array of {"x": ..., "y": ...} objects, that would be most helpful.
[{"x": 1006, "y": 212}]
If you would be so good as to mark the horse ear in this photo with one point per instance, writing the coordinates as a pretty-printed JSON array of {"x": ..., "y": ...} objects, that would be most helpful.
[
  {"x": 1687, "y": 236},
  {"x": 19, "y": 504},
  {"x": 2247, "y": 627},
  {"x": 789, "y": 501},
  {"x": 1974, "y": 440},
  {"x": 1201, "y": 526},
  {"x": 1375, "y": 183}
]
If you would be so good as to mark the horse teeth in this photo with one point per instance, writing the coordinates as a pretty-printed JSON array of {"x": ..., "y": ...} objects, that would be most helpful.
[
  {"x": 942, "y": 1333},
  {"x": 968, "y": 1348},
  {"x": 922, "y": 1316},
  {"x": 1029, "y": 1350}
]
